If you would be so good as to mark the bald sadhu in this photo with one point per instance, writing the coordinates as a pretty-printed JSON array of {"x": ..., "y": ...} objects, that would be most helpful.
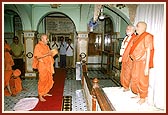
[
  {"x": 126, "y": 67},
  {"x": 141, "y": 54},
  {"x": 43, "y": 61}
]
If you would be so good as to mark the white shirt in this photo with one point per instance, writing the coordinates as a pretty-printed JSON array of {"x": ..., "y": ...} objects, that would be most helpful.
[
  {"x": 124, "y": 45},
  {"x": 69, "y": 51},
  {"x": 53, "y": 45}
]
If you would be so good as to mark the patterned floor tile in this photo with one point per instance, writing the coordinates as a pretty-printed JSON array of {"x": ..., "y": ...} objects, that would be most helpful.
[{"x": 72, "y": 88}]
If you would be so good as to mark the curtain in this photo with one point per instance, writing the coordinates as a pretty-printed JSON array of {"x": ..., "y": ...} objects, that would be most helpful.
[{"x": 154, "y": 16}]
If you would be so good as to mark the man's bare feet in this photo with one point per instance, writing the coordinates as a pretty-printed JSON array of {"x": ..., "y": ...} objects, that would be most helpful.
[
  {"x": 125, "y": 90},
  {"x": 137, "y": 96},
  {"x": 141, "y": 101},
  {"x": 13, "y": 95},
  {"x": 24, "y": 89},
  {"x": 47, "y": 95},
  {"x": 42, "y": 99}
]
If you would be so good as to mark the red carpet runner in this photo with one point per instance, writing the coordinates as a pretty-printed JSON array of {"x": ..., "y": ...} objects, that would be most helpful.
[{"x": 54, "y": 103}]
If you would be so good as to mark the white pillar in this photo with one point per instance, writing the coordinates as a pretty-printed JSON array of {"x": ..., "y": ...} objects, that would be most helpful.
[{"x": 29, "y": 38}]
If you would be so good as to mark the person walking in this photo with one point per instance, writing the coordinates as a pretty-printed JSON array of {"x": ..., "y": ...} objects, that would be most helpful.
[{"x": 43, "y": 61}]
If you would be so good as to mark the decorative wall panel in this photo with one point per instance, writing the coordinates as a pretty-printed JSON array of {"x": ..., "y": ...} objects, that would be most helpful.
[{"x": 59, "y": 25}]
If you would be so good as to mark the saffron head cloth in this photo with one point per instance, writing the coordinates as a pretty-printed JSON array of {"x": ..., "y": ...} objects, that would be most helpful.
[{"x": 16, "y": 72}]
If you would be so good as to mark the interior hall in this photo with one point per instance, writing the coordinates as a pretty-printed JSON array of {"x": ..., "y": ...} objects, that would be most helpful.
[{"x": 97, "y": 70}]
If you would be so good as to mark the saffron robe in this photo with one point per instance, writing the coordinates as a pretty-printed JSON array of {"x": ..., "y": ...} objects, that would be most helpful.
[
  {"x": 15, "y": 83},
  {"x": 8, "y": 61},
  {"x": 126, "y": 67},
  {"x": 45, "y": 68},
  {"x": 140, "y": 82}
]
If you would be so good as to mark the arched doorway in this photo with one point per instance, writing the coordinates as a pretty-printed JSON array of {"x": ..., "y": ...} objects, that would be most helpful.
[
  {"x": 55, "y": 25},
  {"x": 12, "y": 26}
]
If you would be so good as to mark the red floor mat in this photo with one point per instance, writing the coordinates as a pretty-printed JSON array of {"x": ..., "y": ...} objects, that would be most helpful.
[{"x": 54, "y": 103}]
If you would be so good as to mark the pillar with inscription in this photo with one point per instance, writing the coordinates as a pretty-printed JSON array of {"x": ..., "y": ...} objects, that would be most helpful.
[
  {"x": 82, "y": 51},
  {"x": 82, "y": 45},
  {"x": 29, "y": 39}
]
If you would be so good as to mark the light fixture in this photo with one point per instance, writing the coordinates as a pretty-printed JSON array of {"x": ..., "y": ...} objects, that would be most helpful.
[
  {"x": 101, "y": 17},
  {"x": 120, "y": 6},
  {"x": 55, "y": 5}
]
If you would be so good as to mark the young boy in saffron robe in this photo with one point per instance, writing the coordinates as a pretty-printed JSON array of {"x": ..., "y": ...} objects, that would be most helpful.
[{"x": 12, "y": 82}]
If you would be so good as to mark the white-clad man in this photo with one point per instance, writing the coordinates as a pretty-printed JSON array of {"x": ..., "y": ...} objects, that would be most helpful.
[{"x": 55, "y": 45}]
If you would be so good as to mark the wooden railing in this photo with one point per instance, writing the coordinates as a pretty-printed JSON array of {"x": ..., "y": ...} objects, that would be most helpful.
[{"x": 94, "y": 93}]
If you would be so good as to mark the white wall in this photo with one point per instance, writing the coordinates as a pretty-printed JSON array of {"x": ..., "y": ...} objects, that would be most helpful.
[{"x": 154, "y": 16}]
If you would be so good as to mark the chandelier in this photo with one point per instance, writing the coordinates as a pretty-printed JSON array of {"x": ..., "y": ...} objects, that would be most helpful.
[{"x": 120, "y": 6}]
